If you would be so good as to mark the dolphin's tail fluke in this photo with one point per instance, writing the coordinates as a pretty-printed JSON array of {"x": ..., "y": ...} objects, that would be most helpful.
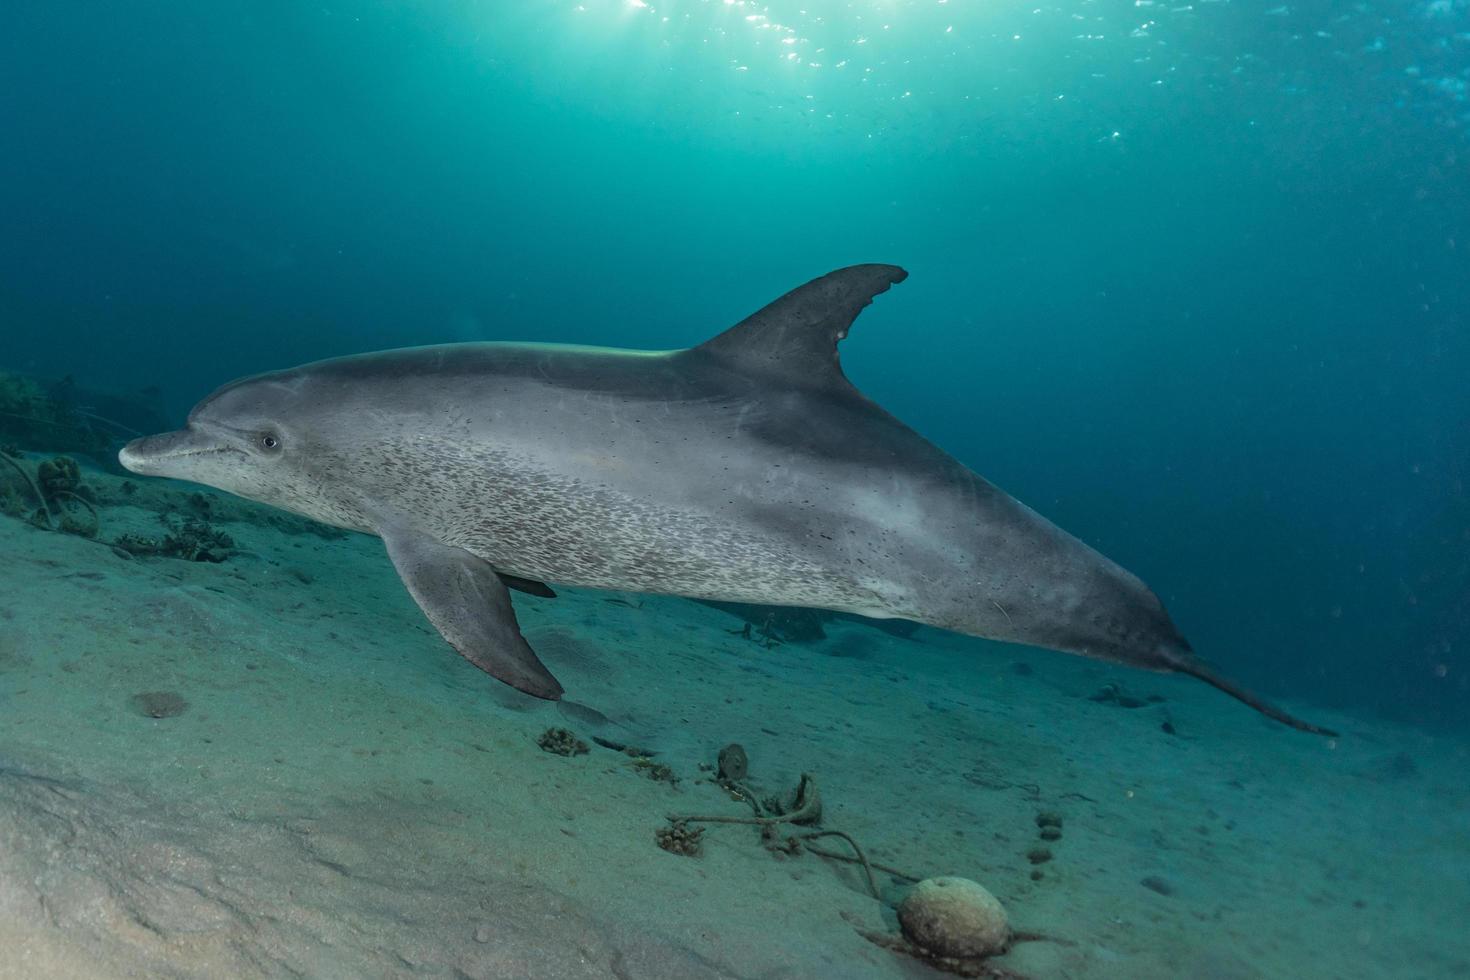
[{"x": 1192, "y": 667}]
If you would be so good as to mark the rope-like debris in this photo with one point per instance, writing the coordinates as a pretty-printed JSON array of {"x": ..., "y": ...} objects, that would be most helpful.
[
  {"x": 807, "y": 810},
  {"x": 96, "y": 518},
  {"x": 35, "y": 489}
]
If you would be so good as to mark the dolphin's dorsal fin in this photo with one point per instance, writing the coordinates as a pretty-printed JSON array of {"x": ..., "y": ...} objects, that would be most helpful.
[{"x": 795, "y": 338}]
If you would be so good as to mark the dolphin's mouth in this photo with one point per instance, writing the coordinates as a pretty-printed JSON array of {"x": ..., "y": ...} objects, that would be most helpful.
[{"x": 160, "y": 455}]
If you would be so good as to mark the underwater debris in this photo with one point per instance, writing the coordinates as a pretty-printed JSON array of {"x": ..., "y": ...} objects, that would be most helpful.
[
  {"x": 561, "y": 741},
  {"x": 657, "y": 771},
  {"x": 59, "y": 474},
  {"x": 57, "y": 487},
  {"x": 954, "y": 925},
  {"x": 15, "y": 506},
  {"x": 954, "y": 917},
  {"x": 732, "y": 764},
  {"x": 680, "y": 838},
  {"x": 614, "y": 744},
  {"x": 60, "y": 480},
  {"x": 159, "y": 704},
  {"x": 196, "y": 540},
  {"x": 804, "y": 809},
  {"x": 189, "y": 540},
  {"x": 801, "y": 806},
  {"x": 71, "y": 523}
]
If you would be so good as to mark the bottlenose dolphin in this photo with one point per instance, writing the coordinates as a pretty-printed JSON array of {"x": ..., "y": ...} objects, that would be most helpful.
[{"x": 746, "y": 469}]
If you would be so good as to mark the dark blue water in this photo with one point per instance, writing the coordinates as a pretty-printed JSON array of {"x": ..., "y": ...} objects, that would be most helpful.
[{"x": 1190, "y": 279}]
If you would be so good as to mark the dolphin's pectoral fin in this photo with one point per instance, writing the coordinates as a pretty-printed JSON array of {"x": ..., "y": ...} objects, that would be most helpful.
[
  {"x": 527, "y": 585},
  {"x": 468, "y": 604},
  {"x": 795, "y": 338}
]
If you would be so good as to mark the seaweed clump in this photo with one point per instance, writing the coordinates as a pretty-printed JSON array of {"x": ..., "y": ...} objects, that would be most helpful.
[
  {"x": 65, "y": 503},
  {"x": 61, "y": 484},
  {"x": 680, "y": 838},
  {"x": 560, "y": 741},
  {"x": 657, "y": 771},
  {"x": 58, "y": 475},
  {"x": 189, "y": 540}
]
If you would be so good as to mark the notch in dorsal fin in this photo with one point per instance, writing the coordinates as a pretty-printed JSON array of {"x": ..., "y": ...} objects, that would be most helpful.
[{"x": 795, "y": 338}]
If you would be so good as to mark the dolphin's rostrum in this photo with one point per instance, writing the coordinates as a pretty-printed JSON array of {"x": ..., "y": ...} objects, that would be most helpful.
[{"x": 745, "y": 469}]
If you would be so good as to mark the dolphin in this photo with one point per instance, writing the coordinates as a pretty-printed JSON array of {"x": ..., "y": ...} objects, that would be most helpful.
[{"x": 746, "y": 469}]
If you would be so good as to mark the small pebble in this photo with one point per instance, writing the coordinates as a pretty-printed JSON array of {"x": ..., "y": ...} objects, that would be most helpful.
[
  {"x": 1051, "y": 833},
  {"x": 1038, "y": 855},
  {"x": 1048, "y": 818},
  {"x": 482, "y": 934}
]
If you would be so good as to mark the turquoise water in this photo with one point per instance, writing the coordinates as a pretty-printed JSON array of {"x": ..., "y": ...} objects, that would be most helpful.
[{"x": 1191, "y": 279}]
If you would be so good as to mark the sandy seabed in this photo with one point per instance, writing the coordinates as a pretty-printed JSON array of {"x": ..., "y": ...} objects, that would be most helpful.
[{"x": 343, "y": 796}]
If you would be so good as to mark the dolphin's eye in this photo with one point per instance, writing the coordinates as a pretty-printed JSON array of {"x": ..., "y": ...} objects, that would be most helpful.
[{"x": 268, "y": 441}]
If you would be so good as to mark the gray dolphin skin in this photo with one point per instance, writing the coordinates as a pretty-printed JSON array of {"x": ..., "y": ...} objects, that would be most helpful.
[{"x": 745, "y": 469}]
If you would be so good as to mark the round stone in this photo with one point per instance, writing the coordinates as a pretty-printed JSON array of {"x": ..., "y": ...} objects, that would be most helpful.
[{"x": 954, "y": 917}]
